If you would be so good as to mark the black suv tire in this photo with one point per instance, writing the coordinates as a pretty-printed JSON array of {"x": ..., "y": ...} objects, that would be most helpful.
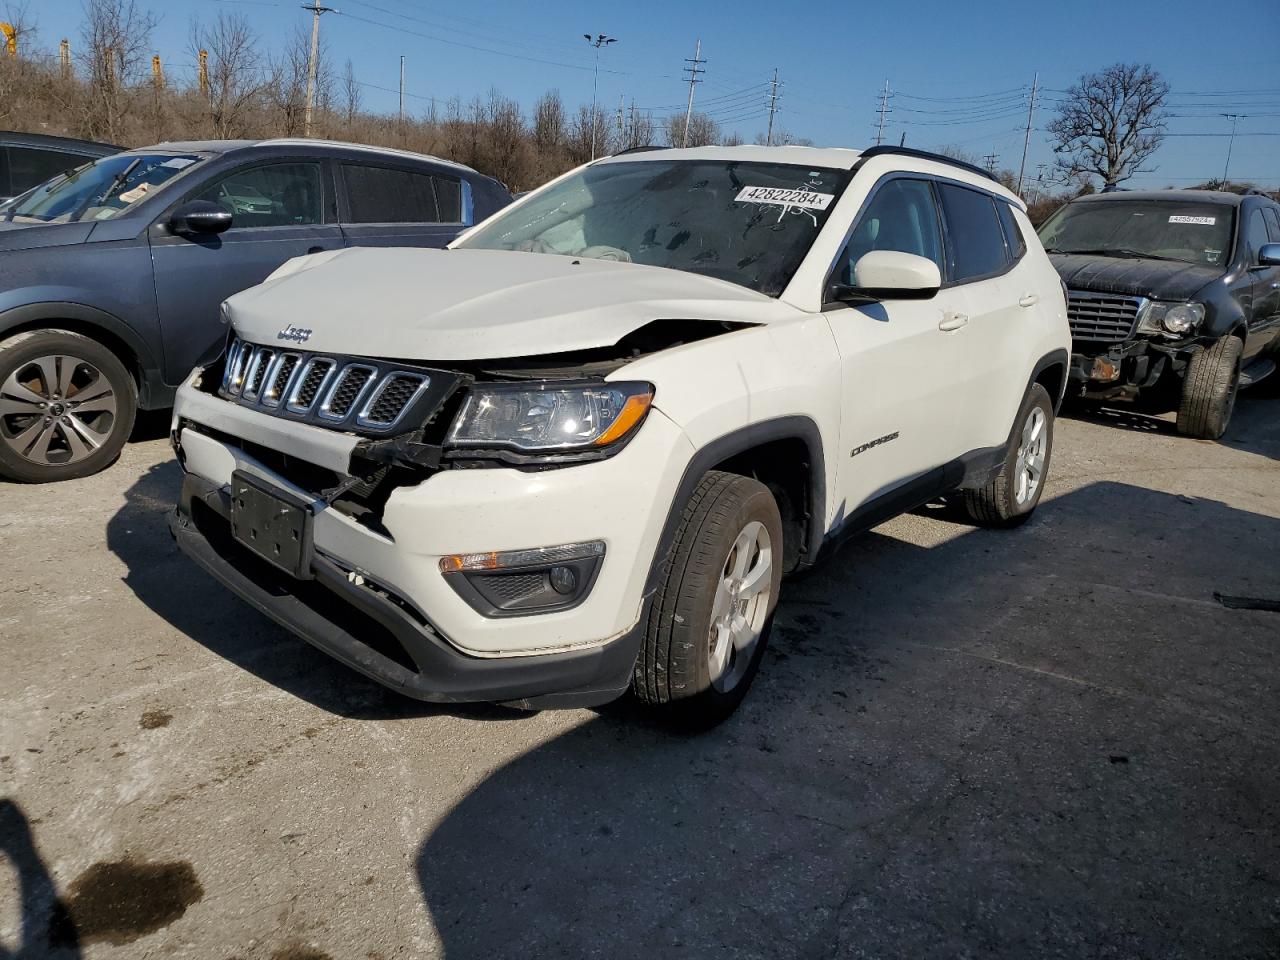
[
  {"x": 46, "y": 433},
  {"x": 1209, "y": 390},
  {"x": 673, "y": 673}
]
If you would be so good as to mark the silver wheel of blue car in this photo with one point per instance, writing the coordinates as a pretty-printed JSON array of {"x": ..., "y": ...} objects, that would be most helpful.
[{"x": 66, "y": 406}]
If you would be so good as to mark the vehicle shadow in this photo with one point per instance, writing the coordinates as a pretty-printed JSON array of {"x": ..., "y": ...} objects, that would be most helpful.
[
  {"x": 206, "y": 612},
  {"x": 1008, "y": 744},
  {"x": 39, "y": 908},
  {"x": 1255, "y": 424}
]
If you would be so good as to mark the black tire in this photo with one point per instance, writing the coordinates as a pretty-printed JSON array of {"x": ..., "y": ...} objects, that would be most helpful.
[
  {"x": 672, "y": 673},
  {"x": 80, "y": 443},
  {"x": 1209, "y": 390},
  {"x": 997, "y": 504}
]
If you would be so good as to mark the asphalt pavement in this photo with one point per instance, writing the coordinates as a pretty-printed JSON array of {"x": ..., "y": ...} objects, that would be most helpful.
[{"x": 1052, "y": 742}]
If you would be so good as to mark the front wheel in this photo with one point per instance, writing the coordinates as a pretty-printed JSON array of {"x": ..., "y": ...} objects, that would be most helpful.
[
  {"x": 710, "y": 618},
  {"x": 1010, "y": 498},
  {"x": 67, "y": 405},
  {"x": 1209, "y": 390}
]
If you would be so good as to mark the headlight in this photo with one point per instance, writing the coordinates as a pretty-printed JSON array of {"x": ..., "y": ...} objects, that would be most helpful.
[
  {"x": 550, "y": 417},
  {"x": 1172, "y": 319}
]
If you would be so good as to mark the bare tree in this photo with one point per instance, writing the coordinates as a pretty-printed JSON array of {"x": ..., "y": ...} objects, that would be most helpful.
[
  {"x": 117, "y": 41},
  {"x": 732, "y": 140},
  {"x": 22, "y": 25},
  {"x": 703, "y": 131},
  {"x": 641, "y": 130},
  {"x": 549, "y": 123},
  {"x": 350, "y": 95},
  {"x": 236, "y": 76},
  {"x": 581, "y": 138},
  {"x": 287, "y": 87},
  {"x": 1110, "y": 122}
]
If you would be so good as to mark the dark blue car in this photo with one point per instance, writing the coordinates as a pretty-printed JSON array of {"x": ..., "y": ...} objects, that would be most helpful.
[{"x": 111, "y": 276}]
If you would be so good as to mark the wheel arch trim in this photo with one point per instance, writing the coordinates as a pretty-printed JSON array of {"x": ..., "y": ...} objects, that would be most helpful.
[
  {"x": 81, "y": 318},
  {"x": 739, "y": 441}
]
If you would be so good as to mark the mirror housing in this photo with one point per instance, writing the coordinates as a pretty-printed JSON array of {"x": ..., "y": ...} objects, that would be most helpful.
[
  {"x": 1269, "y": 255},
  {"x": 889, "y": 275},
  {"x": 200, "y": 217}
]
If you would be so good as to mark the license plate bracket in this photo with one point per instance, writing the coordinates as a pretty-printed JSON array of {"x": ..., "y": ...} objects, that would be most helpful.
[{"x": 273, "y": 523}]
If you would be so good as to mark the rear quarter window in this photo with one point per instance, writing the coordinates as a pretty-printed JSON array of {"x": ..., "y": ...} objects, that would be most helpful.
[
  {"x": 975, "y": 239},
  {"x": 387, "y": 195},
  {"x": 1016, "y": 243}
]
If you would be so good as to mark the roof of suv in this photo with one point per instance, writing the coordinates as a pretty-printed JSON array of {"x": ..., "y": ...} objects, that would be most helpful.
[
  {"x": 320, "y": 146},
  {"x": 45, "y": 141},
  {"x": 1180, "y": 196}
]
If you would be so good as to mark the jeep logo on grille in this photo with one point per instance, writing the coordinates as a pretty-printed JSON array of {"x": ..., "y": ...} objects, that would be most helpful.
[{"x": 296, "y": 334}]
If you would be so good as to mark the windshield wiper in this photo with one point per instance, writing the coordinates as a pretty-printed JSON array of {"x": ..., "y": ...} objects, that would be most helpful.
[
  {"x": 116, "y": 182},
  {"x": 1120, "y": 252}
]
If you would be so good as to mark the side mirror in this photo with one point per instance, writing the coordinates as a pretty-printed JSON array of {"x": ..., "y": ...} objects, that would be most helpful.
[
  {"x": 1269, "y": 255},
  {"x": 890, "y": 275},
  {"x": 200, "y": 217}
]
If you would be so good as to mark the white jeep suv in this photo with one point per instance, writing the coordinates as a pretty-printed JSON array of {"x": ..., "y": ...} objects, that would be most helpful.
[{"x": 577, "y": 451}]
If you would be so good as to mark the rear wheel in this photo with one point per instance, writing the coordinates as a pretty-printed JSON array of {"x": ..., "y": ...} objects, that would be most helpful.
[
  {"x": 1209, "y": 390},
  {"x": 67, "y": 405},
  {"x": 710, "y": 619},
  {"x": 1010, "y": 498}
]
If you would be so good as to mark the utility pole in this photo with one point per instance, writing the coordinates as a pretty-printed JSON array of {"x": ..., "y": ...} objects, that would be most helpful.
[
  {"x": 312, "y": 65},
  {"x": 402, "y": 90},
  {"x": 600, "y": 40},
  {"x": 884, "y": 111},
  {"x": 990, "y": 161},
  {"x": 1233, "y": 117},
  {"x": 1026, "y": 141},
  {"x": 693, "y": 71},
  {"x": 773, "y": 107},
  {"x": 622, "y": 127}
]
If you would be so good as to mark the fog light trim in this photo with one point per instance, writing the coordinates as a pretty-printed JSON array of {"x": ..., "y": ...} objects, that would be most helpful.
[{"x": 515, "y": 583}]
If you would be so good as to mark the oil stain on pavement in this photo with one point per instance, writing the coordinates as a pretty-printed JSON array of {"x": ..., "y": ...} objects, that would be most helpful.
[{"x": 119, "y": 901}]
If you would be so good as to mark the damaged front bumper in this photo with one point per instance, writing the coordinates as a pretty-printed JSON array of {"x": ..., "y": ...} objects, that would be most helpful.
[{"x": 1121, "y": 370}]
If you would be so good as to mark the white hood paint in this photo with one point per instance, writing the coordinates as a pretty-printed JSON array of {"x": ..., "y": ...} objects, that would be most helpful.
[{"x": 440, "y": 305}]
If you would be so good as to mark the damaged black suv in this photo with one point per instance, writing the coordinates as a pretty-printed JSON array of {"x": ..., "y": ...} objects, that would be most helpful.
[{"x": 1174, "y": 289}]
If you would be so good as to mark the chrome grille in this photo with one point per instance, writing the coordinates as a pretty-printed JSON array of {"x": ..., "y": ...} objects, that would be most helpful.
[
  {"x": 310, "y": 381},
  {"x": 1102, "y": 317},
  {"x": 349, "y": 386},
  {"x": 286, "y": 363},
  {"x": 392, "y": 396},
  {"x": 331, "y": 391}
]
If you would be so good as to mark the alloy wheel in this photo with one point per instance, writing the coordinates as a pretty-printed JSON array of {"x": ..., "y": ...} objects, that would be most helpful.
[
  {"x": 56, "y": 410},
  {"x": 1033, "y": 450},
  {"x": 741, "y": 606}
]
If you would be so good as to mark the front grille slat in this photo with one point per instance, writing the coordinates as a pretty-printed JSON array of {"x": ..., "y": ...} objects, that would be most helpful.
[
  {"x": 334, "y": 391},
  {"x": 1102, "y": 318}
]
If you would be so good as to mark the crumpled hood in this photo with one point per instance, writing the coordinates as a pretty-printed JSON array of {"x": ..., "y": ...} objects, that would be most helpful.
[
  {"x": 440, "y": 305},
  {"x": 31, "y": 236},
  {"x": 1157, "y": 279}
]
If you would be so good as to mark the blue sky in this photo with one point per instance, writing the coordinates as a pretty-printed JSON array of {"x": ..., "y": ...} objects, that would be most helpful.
[{"x": 958, "y": 76}]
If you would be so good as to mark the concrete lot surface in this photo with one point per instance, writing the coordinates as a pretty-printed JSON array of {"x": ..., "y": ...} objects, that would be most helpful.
[{"x": 1053, "y": 742}]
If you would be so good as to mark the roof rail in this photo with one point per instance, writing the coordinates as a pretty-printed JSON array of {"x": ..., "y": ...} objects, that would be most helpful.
[
  {"x": 888, "y": 150},
  {"x": 643, "y": 149}
]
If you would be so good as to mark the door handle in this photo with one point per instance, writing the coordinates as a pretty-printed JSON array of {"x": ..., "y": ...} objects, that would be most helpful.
[
  {"x": 1029, "y": 300},
  {"x": 953, "y": 321}
]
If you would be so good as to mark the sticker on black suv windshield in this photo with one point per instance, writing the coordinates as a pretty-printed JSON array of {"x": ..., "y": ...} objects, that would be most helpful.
[
  {"x": 1203, "y": 221},
  {"x": 804, "y": 199}
]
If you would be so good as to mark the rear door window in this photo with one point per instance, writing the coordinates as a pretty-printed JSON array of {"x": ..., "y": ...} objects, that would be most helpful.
[
  {"x": 387, "y": 195},
  {"x": 276, "y": 195},
  {"x": 975, "y": 240}
]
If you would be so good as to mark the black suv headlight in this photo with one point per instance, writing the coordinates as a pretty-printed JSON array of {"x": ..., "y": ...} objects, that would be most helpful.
[
  {"x": 1171, "y": 319},
  {"x": 550, "y": 417}
]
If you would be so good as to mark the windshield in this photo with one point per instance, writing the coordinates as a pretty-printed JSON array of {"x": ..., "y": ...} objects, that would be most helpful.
[
  {"x": 1192, "y": 232},
  {"x": 748, "y": 223},
  {"x": 99, "y": 190}
]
